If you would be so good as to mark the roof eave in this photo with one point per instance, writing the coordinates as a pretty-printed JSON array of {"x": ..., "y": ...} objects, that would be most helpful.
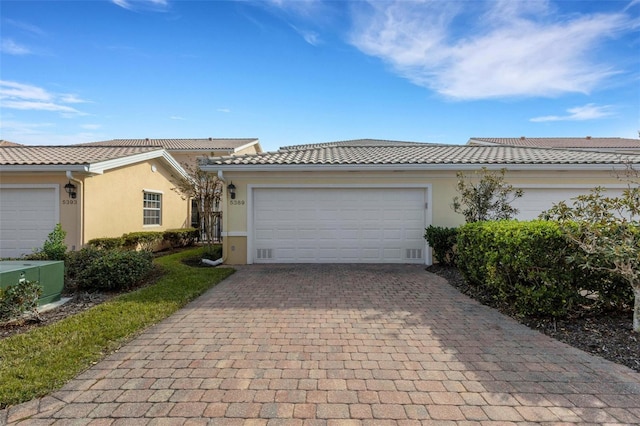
[
  {"x": 102, "y": 166},
  {"x": 409, "y": 167},
  {"x": 78, "y": 168}
]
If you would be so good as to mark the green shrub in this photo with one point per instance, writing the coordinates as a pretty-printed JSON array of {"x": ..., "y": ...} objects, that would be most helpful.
[
  {"x": 78, "y": 261},
  {"x": 111, "y": 270},
  {"x": 144, "y": 240},
  {"x": 523, "y": 264},
  {"x": 107, "y": 243},
  {"x": 54, "y": 248},
  {"x": 212, "y": 252},
  {"x": 443, "y": 242},
  {"x": 19, "y": 299},
  {"x": 185, "y": 237}
]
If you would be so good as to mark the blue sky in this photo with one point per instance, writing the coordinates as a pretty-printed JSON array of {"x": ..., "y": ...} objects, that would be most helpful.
[{"x": 307, "y": 71}]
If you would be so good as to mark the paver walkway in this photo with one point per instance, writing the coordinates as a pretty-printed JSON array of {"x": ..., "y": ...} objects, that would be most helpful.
[{"x": 343, "y": 345}]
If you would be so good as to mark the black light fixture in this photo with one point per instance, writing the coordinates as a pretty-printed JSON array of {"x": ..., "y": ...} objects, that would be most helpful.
[
  {"x": 232, "y": 190},
  {"x": 70, "y": 189}
]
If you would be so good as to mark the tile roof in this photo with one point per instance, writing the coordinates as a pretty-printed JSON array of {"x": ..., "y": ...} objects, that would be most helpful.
[
  {"x": 586, "y": 142},
  {"x": 65, "y": 155},
  {"x": 7, "y": 143},
  {"x": 179, "y": 144},
  {"x": 354, "y": 142},
  {"x": 420, "y": 154}
]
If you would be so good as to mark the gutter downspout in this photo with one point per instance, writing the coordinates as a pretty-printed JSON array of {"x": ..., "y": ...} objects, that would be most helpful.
[
  {"x": 224, "y": 252},
  {"x": 69, "y": 174}
]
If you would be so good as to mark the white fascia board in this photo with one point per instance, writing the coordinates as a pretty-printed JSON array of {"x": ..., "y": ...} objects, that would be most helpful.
[
  {"x": 410, "y": 167},
  {"x": 103, "y": 166},
  {"x": 173, "y": 163},
  {"x": 78, "y": 168}
]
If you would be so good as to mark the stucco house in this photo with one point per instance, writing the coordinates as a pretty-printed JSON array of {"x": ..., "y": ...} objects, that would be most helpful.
[
  {"x": 369, "y": 201},
  {"x": 92, "y": 191},
  {"x": 622, "y": 145},
  {"x": 188, "y": 151}
]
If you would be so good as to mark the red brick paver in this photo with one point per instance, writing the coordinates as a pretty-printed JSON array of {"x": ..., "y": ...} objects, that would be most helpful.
[{"x": 340, "y": 345}]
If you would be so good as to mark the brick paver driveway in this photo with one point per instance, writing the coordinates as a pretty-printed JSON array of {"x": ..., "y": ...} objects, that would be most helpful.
[{"x": 340, "y": 344}]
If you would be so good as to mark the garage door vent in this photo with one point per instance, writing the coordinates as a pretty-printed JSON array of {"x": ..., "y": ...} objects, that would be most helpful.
[
  {"x": 414, "y": 253},
  {"x": 264, "y": 254}
]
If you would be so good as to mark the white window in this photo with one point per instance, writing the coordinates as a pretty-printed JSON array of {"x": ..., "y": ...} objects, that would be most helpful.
[{"x": 152, "y": 208}]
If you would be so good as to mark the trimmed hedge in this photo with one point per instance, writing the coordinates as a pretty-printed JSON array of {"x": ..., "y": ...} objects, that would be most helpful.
[
  {"x": 443, "y": 242},
  {"x": 185, "y": 237},
  {"x": 525, "y": 264},
  {"x": 107, "y": 243},
  {"x": 148, "y": 240},
  {"x": 143, "y": 240},
  {"x": 111, "y": 270}
]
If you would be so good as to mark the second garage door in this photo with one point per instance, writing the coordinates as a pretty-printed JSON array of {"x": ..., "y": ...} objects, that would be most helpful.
[
  {"x": 536, "y": 200},
  {"x": 339, "y": 225}
]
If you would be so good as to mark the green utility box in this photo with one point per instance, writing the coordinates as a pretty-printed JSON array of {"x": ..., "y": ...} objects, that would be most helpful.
[{"x": 49, "y": 274}]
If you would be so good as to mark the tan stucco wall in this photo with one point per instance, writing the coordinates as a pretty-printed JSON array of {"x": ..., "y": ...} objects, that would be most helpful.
[
  {"x": 248, "y": 150},
  {"x": 69, "y": 209},
  {"x": 443, "y": 189},
  {"x": 114, "y": 200}
]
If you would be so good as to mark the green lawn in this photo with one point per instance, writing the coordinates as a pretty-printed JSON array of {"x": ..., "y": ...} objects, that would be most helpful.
[{"x": 42, "y": 360}]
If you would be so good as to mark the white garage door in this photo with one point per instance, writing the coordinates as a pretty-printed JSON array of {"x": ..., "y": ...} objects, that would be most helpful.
[
  {"x": 27, "y": 216},
  {"x": 536, "y": 200},
  {"x": 339, "y": 225}
]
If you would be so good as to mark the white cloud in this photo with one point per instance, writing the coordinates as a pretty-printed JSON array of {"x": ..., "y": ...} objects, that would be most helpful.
[
  {"x": 311, "y": 37},
  {"x": 14, "y": 95},
  {"x": 39, "y": 106},
  {"x": 157, "y": 5},
  {"x": 225, "y": 110},
  {"x": 10, "y": 47},
  {"x": 70, "y": 98},
  {"x": 44, "y": 133},
  {"x": 305, "y": 8},
  {"x": 517, "y": 49},
  {"x": 91, "y": 126},
  {"x": 26, "y": 27},
  {"x": 176, "y": 117},
  {"x": 581, "y": 113},
  {"x": 15, "y": 90}
]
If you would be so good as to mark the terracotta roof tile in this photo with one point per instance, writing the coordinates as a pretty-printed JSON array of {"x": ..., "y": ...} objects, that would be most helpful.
[
  {"x": 354, "y": 143},
  {"x": 587, "y": 142},
  {"x": 178, "y": 144},
  {"x": 65, "y": 155},
  {"x": 423, "y": 154},
  {"x": 8, "y": 143}
]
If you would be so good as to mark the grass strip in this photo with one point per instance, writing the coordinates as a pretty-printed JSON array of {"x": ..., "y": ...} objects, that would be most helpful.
[{"x": 42, "y": 360}]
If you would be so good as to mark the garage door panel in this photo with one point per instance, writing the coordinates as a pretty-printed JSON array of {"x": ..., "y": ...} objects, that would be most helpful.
[
  {"x": 27, "y": 216},
  {"x": 344, "y": 225},
  {"x": 536, "y": 200}
]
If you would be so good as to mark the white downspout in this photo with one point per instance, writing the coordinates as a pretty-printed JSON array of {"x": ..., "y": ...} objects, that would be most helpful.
[{"x": 69, "y": 174}]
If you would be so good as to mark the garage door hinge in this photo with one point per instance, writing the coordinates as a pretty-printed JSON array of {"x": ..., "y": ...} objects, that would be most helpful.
[{"x": 426, "y": 206}]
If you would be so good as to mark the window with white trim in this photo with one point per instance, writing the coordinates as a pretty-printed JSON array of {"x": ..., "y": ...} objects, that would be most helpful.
[{"x": 152, "y": 208}]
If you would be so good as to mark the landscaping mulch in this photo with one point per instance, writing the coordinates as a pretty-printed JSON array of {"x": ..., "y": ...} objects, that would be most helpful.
[{"x": 605, "y": 334}]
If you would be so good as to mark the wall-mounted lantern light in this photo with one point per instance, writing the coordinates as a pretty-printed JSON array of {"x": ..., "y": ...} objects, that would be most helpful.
[
  {"x": 232, "y": 190},
  {"x": 70, "y": 189}
]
